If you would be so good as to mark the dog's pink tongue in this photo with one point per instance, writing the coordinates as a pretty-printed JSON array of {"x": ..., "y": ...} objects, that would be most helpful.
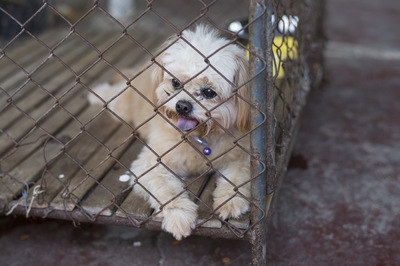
[{"x": 185, "y": 124}]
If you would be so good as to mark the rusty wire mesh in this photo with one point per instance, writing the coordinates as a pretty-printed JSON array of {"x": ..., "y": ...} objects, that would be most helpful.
[{"x": 61, "y": 157}]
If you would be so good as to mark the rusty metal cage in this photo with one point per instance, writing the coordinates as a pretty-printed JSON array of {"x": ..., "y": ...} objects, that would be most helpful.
[{"x": 61, "y": 157}]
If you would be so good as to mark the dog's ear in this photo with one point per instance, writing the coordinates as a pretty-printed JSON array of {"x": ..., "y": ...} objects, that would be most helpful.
[
  {"x": 243, "y": 94},
  {"x": 156, "y": 77},
  {"x": 157, "y": 69}
]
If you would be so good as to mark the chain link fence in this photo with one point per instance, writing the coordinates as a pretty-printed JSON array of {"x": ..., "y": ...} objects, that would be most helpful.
[{"x": 62, "y": 157}]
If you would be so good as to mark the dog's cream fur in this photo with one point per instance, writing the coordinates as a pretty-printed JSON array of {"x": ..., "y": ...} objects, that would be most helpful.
[{"x": 198, "y": 59}]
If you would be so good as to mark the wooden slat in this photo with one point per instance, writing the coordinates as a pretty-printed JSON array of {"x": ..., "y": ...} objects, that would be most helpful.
[
  {"x": 205, "y": 209},
  {"x": 52, "y": 77},
  {"x": 61, "y": 170},
  {"x": 205, "y": 203},
  {"x": 205, "y": 188},
  {"x": 34, "y": 97},
  {"x": 78, "y": 60},
  {"x": 71, "y": 48},
  {"x": 134, "y": 206},
  {"x": 96, "y": 166},
  {"x": 243, "y": 222},
  {"x": 105, "y": 196},
  {"x": 14, "y": 182},
  {"x": 31, "y": 167},
  {"x": 22, "y": 52},
  {"x": 32, "y": 134},
  {"x": 25, "y": 124}
]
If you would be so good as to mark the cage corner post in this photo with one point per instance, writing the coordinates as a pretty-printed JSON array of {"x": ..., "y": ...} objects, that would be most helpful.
[{"x": 262, "y": 140}]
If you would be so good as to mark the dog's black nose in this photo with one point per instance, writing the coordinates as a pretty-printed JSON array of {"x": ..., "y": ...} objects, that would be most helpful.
[{"x": 183, "y": 107}]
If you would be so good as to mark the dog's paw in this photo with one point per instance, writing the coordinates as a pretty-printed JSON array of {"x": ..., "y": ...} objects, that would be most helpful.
[
  {"x": 180, "y": 221},
  {"x": 233, "y": 208}
]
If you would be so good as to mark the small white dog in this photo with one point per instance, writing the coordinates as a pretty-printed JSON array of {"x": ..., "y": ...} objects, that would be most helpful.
[{"x": 190, "y": 106}]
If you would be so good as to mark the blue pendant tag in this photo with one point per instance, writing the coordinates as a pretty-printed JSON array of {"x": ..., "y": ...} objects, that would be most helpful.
[{"x": 206, "y": 150}]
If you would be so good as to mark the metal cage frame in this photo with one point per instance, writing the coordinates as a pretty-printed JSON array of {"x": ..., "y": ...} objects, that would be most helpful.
[{"x": 272, "y": 137}]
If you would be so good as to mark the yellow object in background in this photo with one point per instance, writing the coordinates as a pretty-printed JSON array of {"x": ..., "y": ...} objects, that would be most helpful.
[{"x": 284, "y": 48}]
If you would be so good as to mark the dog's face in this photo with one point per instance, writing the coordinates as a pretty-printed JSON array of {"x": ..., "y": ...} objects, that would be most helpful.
[{"x": 200, "y": 85}]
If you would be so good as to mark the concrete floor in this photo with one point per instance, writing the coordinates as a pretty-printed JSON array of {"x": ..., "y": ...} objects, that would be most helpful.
[{"x": 339, "y": 203}]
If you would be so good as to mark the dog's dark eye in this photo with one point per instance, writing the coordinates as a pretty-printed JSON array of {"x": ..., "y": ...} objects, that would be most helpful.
[
  {"x": 208, "y": 93},
  {"x": 176, "y": 84}
]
